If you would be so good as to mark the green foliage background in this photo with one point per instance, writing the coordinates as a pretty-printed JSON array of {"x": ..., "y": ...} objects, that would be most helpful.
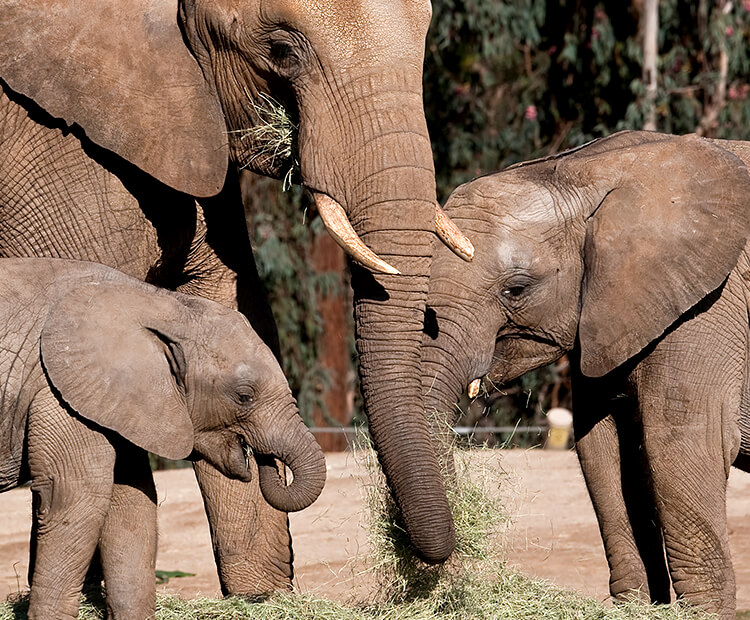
[{"x": 508, "y": 80}]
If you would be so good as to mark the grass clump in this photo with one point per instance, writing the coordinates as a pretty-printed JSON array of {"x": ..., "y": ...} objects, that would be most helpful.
[
  {"x": 271, "y": 142},
  {"x": 511, "y": 597},
  {"x": 475, "y": 582},
  {"x": 479, "y": 519}
]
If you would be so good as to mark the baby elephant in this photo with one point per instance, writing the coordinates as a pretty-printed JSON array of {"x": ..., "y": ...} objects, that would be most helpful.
[
  {"x": 630, "y": 254},
  {"x": 97, "y": 369}
]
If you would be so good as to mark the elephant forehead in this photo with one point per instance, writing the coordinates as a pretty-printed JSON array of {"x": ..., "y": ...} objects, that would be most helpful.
[{"x": 352, "y": 26}]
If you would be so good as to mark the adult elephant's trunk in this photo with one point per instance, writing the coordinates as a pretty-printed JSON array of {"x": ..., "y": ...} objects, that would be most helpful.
[
  {"x": 294, "y": 445},
  {"x": 383, "y": 176}
]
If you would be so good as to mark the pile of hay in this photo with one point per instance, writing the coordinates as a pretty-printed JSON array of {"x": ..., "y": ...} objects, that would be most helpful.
[{"x": 474, "y": 584}]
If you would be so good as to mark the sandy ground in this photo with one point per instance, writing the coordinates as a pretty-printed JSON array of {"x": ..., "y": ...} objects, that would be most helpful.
[{"x": 553, "y": 534}]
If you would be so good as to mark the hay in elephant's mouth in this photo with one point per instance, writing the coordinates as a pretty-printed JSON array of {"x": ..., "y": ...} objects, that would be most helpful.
[{"x": 271, "y": 143}]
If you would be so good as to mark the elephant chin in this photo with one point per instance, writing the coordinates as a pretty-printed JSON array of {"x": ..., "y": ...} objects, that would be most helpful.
[{"x": 227, "y": 452}]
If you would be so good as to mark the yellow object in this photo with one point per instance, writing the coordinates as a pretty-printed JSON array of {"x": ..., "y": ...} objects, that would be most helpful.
[{"x": 560, "y": 424}]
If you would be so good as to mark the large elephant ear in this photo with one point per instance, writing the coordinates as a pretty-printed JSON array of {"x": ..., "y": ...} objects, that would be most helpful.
[
  {"x": 121, "y": 71},
  {"x": 109, "y": 352},
  {"x": 674, "y": 217}
]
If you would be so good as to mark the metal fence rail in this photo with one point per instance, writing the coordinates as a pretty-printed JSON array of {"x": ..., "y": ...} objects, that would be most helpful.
[{"x": 459, "y": 430}]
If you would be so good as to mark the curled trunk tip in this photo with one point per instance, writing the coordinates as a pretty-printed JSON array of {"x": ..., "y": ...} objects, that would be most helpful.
[{"x": 309, "y": 475}]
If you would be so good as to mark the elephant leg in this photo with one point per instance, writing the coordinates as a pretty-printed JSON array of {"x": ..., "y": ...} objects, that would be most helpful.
[
  {"x": 128, "y": 539},
  {"x": 693, "y": 516},
  {"x": 251, "y": 540},
  {"x": 607, "y": 447},
  {"x": 71, "y": 469},
  {"x": 689, "y": 393}
]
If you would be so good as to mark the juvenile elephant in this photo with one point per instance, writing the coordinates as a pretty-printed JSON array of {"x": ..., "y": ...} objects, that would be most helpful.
[
  {"x": 98, "y": 368},
  {"x": 115, "y": 117},
  {"x": 630, "y": 254}
]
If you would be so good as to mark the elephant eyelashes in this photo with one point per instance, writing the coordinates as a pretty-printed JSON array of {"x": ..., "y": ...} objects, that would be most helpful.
[
  {"x": 514, "y": 292},
  {"x": 281, "y": 51},
  {"x": 516, "y": 288}
]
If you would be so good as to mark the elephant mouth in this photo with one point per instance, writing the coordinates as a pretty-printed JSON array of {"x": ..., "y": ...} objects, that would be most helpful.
[
  {"x": 247, "y": 451},
  {"x": 271, "y": 143},
  {"x": 508, "y": 364}
]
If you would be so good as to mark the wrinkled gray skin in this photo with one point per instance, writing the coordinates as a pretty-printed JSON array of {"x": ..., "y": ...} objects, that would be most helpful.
[
  {"x": 630, "y": 254},
  {"x": 116, "y": 117},
  {"x": 97, "y": 369}
]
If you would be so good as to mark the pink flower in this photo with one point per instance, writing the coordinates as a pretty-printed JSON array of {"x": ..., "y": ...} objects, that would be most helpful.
[
  {"x": 738, "y": 91},
  {"x": 530, "y": 113},
  {"x": 729, "y": 31},
  {"x": 746, "y": 5}
]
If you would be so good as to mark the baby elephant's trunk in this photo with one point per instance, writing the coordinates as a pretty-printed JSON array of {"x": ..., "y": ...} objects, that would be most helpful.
[{"x": 295, "y": 446}]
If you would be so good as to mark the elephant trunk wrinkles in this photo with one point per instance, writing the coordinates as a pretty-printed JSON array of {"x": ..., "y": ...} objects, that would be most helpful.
[
  {"x": 383, "y": 175},
  {"x": 448, "y": 360},
  {"x": 294, "y": 445},
  {"x": 445, "y": 371}
]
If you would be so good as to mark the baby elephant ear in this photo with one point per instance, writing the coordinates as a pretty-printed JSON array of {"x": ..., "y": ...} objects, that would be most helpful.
[
  {"x": 668, "y": 231},
  {"x": 106, "y": 351}
]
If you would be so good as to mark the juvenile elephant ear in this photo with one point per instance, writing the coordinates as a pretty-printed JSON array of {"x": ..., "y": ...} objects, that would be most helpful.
[
  {"x": 121, "y": 71},
  {"x": 107, "y": 352},
  {"x": 674, "y": 217}
]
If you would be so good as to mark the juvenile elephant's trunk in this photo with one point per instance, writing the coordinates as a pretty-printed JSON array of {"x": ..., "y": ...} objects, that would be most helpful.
[
  {"x": 454, "y": 348},
  {"x": 294, "y": 445}
]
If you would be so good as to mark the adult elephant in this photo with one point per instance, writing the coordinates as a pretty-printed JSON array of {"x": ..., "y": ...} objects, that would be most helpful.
[
  {"x": 630, "y": 254},
  {"x": 122, "y": 126}
]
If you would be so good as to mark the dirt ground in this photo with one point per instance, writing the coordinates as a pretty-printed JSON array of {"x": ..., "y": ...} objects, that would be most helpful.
[{"x": 553, "y": 534}]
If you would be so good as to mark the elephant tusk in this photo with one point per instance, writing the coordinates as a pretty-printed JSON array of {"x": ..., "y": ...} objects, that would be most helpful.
[
  {"x": 336, "y": 221},
  {"x": 474, "y": 388},
  {"x": 452, "y": 236}
]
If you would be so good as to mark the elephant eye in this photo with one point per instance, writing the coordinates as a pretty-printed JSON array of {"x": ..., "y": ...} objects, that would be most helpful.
[
  {"x": 516, "y": 288},
  {"x": 281, "y": 51},
  {"x": 245, "y": 398},
  {"x": 514, "y": 291},
  {"x": 284, "y": 53}
]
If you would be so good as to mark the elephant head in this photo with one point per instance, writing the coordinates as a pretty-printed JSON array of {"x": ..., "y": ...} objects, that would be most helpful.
[
  {"x": 178, "y": 375},
  {"x": 180, "y": 88},
  {"x": 605, "y": 246}
]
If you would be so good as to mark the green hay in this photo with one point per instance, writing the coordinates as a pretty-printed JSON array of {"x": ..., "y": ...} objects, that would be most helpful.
[
  {"x": 475, "y": 583},
  {"x": 272, "y": 139}
]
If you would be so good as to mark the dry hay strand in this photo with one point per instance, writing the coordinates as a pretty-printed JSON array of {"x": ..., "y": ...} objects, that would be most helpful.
[{"x": 272, "y": 139}]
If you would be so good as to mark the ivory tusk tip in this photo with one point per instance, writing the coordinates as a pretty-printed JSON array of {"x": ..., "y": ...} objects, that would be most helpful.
[
  {"x": 337, "y": 223},
  {"x": 450, "y": 234},
  {"x": 389, "y": 269},
  {"x": 474, "y": 388},
  {"x": 468, "y": 252}
]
